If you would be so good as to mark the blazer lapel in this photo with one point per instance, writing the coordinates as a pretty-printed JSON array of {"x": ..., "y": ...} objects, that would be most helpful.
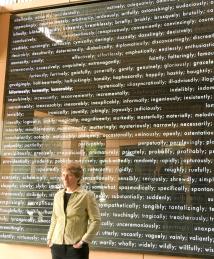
[{"x": 61, "y": 200}]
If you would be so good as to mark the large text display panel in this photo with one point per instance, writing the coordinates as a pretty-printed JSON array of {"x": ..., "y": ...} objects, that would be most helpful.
[{"x": 125, "y": 87}]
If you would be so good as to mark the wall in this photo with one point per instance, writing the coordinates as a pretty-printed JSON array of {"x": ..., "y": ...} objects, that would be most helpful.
[
  {"x": 4, "y": 28},
  {"x": 9, "y": 251}
]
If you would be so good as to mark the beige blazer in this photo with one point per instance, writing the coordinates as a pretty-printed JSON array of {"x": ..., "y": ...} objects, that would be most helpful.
[{"x": 81, "y": 220}]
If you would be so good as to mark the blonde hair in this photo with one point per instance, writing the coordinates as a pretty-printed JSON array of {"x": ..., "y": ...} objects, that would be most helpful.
[{"x": 75, "y": 169}]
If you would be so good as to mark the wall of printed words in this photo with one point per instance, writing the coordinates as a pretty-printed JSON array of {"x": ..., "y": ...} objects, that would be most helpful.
[{"x": 125, "y": 87}]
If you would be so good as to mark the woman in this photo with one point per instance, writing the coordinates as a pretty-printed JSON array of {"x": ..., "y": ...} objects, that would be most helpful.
[{"x": 75, "y": 219}]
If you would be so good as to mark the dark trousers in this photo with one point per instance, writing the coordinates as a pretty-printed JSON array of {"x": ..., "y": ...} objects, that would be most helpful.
[{"x": 69, "y": 252}]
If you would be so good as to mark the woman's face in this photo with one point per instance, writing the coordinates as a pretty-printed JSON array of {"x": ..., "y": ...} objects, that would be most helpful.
[{"x": 69, "y": 180}]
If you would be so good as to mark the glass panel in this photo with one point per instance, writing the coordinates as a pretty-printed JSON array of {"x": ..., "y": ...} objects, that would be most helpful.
[{"x": 125, "y": 87}]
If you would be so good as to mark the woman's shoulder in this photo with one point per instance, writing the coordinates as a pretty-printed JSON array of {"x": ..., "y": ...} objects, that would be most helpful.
[
  {"x": 59, "y": 193},
  {"x": 88, "y": 193}
]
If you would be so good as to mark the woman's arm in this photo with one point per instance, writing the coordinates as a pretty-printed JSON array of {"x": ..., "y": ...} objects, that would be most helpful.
[
  {"x": 52, "y": 226},
  {"x": 94, "y": 218}
]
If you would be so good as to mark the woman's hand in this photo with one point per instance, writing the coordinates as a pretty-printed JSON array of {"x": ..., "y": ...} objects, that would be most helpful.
[
  {"x": 78, "y": 245},
  {"x": 49, "y": 243}
]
